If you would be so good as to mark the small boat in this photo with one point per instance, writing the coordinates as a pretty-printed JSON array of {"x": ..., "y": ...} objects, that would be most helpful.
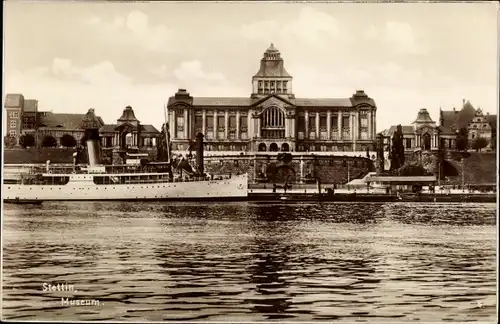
[
  {"x": 407, "y": 196},
  {"x": 23, "y": 201}
]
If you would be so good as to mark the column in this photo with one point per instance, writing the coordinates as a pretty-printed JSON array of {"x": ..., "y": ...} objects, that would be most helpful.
[
  {"x": 215, "y": 124},
  {"x": 369, "y": 116},
  {"x": 238, "y": 124},
  {"x": 339, "y": 123},
  {"x": 352, "y": 131},
  {"x": 226, "y": 124},
  {"x": 317, "y": 126},
  {"x": 329, "y": 124},
  {"x": 258, "y": 126},
  {"x": 203, "y": 122},
  {"x": 173, "y": 130},
  {"x": 306, "y": 135},
  {"x": 186, "y": 125}
]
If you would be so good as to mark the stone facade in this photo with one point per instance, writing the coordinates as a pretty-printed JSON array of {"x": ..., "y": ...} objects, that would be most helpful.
[
  {"x": 303, "y": 168},
  {"x": 272, "y": 119}
]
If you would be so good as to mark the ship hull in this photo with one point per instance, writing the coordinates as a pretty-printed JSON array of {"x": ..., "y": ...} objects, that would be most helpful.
[{"x": 234, "y": 188}]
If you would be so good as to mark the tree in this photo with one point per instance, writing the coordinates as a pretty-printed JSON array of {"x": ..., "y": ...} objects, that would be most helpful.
[
  {"x": 398, "y": 150},
  {"x": 27, "y": 140},
  {"x": 462, "y": 139},
  {"x": 68, "y": 141},
  {"x": 479, "y": 143},
  {"x": 413, "y": 170},
  {"x": 49, "y": 141},
  {"x": 9, "y": 141}
]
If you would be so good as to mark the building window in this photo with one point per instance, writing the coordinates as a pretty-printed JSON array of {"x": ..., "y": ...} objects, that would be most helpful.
[
  {"x": 13, "y": 123},
  {"x": 322, "y": 122},
  {"x": 364, "y": 135},
  {"x": 345, "y": 122},
  {"x": 232, "y": 121},
  {"x": 364, "y": 121},
  {"x": 244, "y": 135},
  {"x": 15, "y": 114},
  {"x": 198, "y": 123},
  {"x": 335, "y": 122},
  {"x": 12, "y": 133},
  {"x": 180, "y": 121},
  {"x": 221, "y": 122},
  {"x": 312, "y": 122},
  {"x": 302, "y": 124},
  {"x": 210, "y": 122},
  {"x": 408, "y": 143}
]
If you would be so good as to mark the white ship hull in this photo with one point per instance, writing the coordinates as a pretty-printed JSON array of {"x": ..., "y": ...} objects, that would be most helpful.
[{"x": 82, "y": 187}]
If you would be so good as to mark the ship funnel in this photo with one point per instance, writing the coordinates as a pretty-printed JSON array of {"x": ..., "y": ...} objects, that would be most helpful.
[
  {"x": 91, "y": 126},
  {"x": 199, "y": 153}
]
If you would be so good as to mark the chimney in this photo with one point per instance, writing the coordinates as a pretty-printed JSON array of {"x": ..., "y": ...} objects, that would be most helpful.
[
  {"x": 463, "y": 102},
  {"x": 91, "y": 126},
  {"x": 199, "y": 153}
]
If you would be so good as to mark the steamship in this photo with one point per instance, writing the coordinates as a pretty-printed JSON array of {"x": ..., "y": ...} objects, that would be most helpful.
[{"x": 129, "y": 181}]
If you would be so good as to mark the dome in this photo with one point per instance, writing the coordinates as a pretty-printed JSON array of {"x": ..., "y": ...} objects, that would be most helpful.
[
  {"x": 128, "y": 115},
  {"x": 423, "y": 117},
  {"x": 272, "y": 49}
]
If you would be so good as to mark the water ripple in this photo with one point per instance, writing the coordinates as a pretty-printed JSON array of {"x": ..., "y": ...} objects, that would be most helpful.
[{"x": 251, "y": 262}]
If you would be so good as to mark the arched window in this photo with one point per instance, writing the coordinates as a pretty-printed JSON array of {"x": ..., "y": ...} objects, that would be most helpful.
[
  {"x": 262, "y": 147},
  {"x": 273, "y": 123}
]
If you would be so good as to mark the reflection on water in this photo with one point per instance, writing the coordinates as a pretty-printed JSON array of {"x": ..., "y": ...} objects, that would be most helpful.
[{"x": 249, "y": 262}]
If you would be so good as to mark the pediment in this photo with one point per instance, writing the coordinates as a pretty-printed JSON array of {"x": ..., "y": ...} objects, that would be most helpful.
[
  {"x": 425, "y": 129},
  {"x": 125, "y": 127},
  {"x": 273, "y": 100}
]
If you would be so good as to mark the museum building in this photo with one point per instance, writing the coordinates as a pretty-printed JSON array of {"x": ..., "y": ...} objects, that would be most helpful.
[{"x": 272, "y": 119}]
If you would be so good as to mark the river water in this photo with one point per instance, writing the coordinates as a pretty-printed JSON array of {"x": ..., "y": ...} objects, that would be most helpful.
[{"x": 391, "y": 262}]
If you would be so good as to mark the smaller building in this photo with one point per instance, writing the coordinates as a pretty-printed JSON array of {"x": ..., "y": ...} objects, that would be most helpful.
[
  {"x": 129, "y": 133},
  {"x": 425, "y": 134},
  {"x": 23, "y": 117}
]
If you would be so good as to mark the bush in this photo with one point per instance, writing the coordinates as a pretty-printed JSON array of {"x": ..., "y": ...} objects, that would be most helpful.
[
  {"x": 9, "y": 141},
  {"x": 479, "y": 143},
  {"x": 27, "y": 140},
  {"x": 68, "y": 141},
  {"x": 49, "y": 141}
]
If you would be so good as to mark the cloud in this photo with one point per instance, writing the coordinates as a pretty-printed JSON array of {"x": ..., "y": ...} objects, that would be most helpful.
[
  {"x": 398, "y": 37},
  {"x": 102, "y": 73},
  {"x": 311, "y": 27},
  {"x": 134, "y": 29},
  {"x": 192, "y": 71}
]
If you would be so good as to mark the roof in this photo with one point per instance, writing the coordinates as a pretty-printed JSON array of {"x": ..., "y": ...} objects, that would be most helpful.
[
  {"x": 111, "y": 128},
  {"x": 66, "y": 121},
  {"x": 458, "y": 119},
  {"x": 448, "y": 118},
  {"x": 14, "y": 100},
  {"x": 272, "y": 68},
  {"x": 401, "y": 179},
  {"x": 30, "y": 105},
  {"x": 423, "y": 117},
  {"x": 128, "y": 115},
  {"x": 90, "y": 120},
  {"x": 272, "y": 48},
  {"x": 405, "y": 128},
  {"x": 246, "y": 102},
  {"x": 445, "y": 130},
  {"x": 492, "y": 120}
]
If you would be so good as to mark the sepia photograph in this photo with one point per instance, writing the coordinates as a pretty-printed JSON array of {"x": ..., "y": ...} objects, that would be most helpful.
[{"x": 249, "y": 161}]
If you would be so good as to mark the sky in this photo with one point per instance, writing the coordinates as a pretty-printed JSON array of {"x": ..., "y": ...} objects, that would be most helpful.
[{"x": 79, "y": 55}]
